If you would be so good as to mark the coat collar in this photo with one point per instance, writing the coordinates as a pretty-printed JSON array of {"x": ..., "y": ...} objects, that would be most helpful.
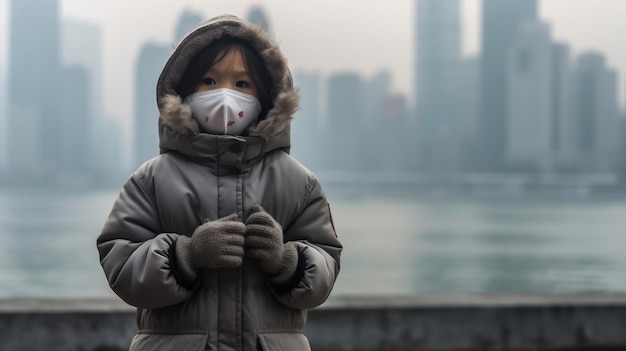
[{"x": 222, "y": 150}]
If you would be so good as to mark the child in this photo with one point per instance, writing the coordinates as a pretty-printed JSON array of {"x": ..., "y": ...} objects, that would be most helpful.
[{"x": 223, "y": 241}]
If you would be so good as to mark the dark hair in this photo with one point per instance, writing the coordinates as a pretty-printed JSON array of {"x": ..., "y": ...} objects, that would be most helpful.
[{"x": 214, "y": 53}]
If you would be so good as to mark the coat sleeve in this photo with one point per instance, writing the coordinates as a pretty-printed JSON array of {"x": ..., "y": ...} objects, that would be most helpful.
[
  {"x": 319, "y": 251},
  {"x": 134, "y": 254}
]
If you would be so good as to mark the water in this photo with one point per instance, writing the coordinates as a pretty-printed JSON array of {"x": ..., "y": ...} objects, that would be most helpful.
[
  {"x": 494, "y": 246},
  {"x": 394, "y": 244}
]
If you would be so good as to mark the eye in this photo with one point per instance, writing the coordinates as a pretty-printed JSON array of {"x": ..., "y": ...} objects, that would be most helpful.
[
  {"x": 208, "y": 81},
  {"x": 242, "y": 84}
]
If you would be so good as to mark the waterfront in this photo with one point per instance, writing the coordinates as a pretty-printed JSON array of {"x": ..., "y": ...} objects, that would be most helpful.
[{"x": 394, "y": 244}]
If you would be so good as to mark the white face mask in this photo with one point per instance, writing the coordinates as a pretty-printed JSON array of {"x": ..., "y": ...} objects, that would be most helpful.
[{"x": 223, "y": 111}]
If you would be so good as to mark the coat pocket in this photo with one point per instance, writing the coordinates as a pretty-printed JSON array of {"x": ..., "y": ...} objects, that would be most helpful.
[
  {"x": 284, "y": 342},
  {"x": 167, "y": 342}
]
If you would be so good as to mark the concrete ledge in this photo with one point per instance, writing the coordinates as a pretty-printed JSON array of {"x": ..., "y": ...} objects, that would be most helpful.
[
  {"x": 69, "y": 325},
  {"x": 471, "y": 322},
  {"x": 461, "y": 322}
]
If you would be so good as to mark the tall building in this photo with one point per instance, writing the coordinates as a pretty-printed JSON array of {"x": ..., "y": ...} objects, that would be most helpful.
[
  {"x": 75, "y": 126},
  {"x": 621, "y": 165},
  {"x": 306, "y": 127},
  {"x": 34, "y": 109},
  {"x": 110, "y": 134},
  {"x": 438, "y": 68},
  {"x": 501, "y": 21},
  {"x": 3, "y": 101},
  {"x": 345, "y": 123},
  {"x": 597, "y": 113},
  {"x": 563, "y": 111},
  {"x": 3, "y": 128},
  {"x": 464, "y": 105},
  {"x": 258, "y": 16},
  {"x": 394, "y": 147},
  {"x": 530, "y": 113},
  {"x": 82, "y": 50},
  {"x": 373, "y": 121},
  {"x": 187, "y": 21},
  {"x": 152, "y": 57}
]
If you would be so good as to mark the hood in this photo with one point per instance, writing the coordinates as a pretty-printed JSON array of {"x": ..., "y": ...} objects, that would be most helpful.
[{"x": 176, "y": 116}]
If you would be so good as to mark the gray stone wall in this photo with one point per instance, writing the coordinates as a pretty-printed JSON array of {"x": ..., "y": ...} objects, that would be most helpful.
[{"x": 421, "y": 322}]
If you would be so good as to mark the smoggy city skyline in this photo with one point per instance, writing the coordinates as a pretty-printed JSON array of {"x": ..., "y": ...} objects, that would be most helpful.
[
  {"x": 364, "y": 60},
  {"x": 582, "y": 24}
]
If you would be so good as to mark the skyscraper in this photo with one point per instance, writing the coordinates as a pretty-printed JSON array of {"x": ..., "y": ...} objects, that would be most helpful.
[
  {"x": 562, "y": 107},
  {"x": 75, "y": 124},
  {"x": 501, "y": 20},
  {"x": 621, "y": 165},
  {"x": 258, "y": 16},
  {"x": 345, "y": 122},
  {"x": 530, "y": 94},
  {"x": 464, "y": 101},
  {"x": 597, "y": 113},
  {"x": 393, "y": 133},
  {"x": 152, "y": 58},
  {"x": 82, "y": 50},
  {"x": 34, "y": 70},
  {"x": 306, "y": 126},
  {"x": 373, "y": 122},
  {"x": 438, "y": 63},
  {"x": 187, "y": 21},
  {"x": 3, "y": 128},
  {"x": 3, "y": 101}
]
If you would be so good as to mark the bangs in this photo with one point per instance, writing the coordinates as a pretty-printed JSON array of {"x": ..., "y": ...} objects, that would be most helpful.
[{"x": 215, "y": 53}]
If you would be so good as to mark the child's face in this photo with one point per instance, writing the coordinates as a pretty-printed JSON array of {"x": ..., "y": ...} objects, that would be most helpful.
[{"x": 230, "y": 72}]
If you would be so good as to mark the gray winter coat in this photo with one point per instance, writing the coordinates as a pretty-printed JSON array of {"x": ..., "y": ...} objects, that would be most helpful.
[{"x": 200, "y": 176}]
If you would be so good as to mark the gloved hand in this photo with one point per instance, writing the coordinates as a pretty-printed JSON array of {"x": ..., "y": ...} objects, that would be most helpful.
[
  {"x": 264, "y": 242},
  {"x": 214, "y": 244}
]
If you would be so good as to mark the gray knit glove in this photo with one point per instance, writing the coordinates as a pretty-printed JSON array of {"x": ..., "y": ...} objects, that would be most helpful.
[
  {"x": 264, "y": 242},
  {"x": 214, "y": 244}
]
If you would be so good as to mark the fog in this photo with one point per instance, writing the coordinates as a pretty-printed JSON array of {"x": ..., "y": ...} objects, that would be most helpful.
[
  {"x": 473, "y": 114},
  {"x": 490, "y": 135}
]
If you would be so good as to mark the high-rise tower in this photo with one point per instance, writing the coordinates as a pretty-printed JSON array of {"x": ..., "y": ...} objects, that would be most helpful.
[
  {"x": 152, "y": 58},
  {"x": 438, "y": 62},
  {"x": 596, "y": 113},
  {"x": 345, "y": 113},
  {"x": 532, "y": 100},
  {"x": 501, "y": 22},
  {"x": 306, "y": 127},
  {"x": 258, "y": 16},
  {"x": 187, "y": 21},
  {"x": 33, "y": 94},
  {"x": 82, "y": 50},
  {"x": 3, "y": 128}
]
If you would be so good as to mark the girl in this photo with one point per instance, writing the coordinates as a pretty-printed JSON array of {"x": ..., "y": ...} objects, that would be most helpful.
[{"x": 223, "y": 241}]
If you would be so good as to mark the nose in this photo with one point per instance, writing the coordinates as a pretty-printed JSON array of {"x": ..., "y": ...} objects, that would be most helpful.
[
  {"x": 220, "y": 85},
  {"x": 224, "y": 83}
]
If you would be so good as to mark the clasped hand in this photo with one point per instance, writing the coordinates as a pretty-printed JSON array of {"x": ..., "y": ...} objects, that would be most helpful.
[{"x": 223, "y": 242}]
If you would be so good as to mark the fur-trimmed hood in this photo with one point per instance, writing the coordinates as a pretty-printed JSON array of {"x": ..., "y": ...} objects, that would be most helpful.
[{"x": 175, "y": 115}]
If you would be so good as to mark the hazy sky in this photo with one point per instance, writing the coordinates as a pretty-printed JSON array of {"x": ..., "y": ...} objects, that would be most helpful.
[{"x": 323, "y": 35}]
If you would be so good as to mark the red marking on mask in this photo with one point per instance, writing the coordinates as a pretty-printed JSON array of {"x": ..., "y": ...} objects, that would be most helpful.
[
  {"x": 241, "y": 114},
  {"x": 206, "y": 119},
  {"x": 230, "y": 123}
]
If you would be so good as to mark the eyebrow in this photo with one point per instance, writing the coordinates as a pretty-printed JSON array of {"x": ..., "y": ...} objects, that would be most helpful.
[{"x": 242, "y": 72}]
